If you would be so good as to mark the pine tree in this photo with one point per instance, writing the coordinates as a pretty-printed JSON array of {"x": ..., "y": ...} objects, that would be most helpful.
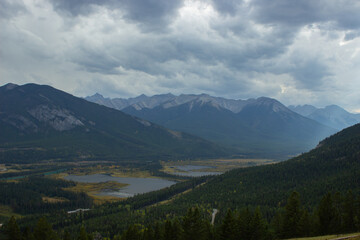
[
  {"x": 172, "y": 230},
  {"x": 227, "y": 229},
  {"x": 158, "y": 231},
  {"x": 12, "y": 229},
  {"x": 83, "y": 234},
  {"x": 304, "y": 226},
  {"x": 349, "y": 213},
  {"x": 148, "y": 234},
  {"x": 243, "y": 227},
  {"x": 337, "y": 222},
  {"x": 44, "y": 231},
  {"x": 292, "y": 216},
  {"x": 132, "y": 233},
  {"x": 326, "y": 214},
  {"x": 168, "y": 234},
  {"x": 357, "y": 217},
  {"x": 67, "y": 235},
  {"x": 277, "y": 223},
  {"x": 258, "y": 226},
  {"x": 28, "y": 235},
  {"x": 193, "y": 225},
  {"x": 209, "y": 231},
  {"x": 177, "y": 229}
]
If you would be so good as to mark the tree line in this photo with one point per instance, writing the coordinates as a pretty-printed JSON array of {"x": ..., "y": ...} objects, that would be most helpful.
[
  {"x": 334, "y": 214},
  {"x": 26, "y": 195}
]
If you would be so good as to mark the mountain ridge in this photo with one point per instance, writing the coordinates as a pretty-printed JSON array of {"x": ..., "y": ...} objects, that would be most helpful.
[
  {"x": 263, "y": 125},
  {"x": 61, "y": 125},
  {"x": 332, "y": 115}
]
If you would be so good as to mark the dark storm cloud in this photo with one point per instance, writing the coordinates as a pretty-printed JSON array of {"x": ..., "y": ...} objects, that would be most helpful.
[
  {"x": 95, "y": 61},
  {"x": 351, "y": 35},
  {"x": 227, "y": 7},
  {"x": 150, "y": 14},
  {"x": 9, "y": 9},
  {"x": 242, "y": 48},
  {"x": 342, "y": 13},
  {"x": 282, "y": 20},
  {"x": 295, "y": 13},
  {"x": 311, "y": 74}
]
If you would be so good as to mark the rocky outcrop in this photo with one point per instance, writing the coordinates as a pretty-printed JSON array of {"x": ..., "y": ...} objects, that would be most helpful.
[
  {"x": 59, "y": 119},
  {"x": 20, "y": 122}
]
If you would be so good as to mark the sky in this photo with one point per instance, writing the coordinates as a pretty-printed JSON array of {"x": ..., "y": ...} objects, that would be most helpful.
[{"x": 299, "y": 52}]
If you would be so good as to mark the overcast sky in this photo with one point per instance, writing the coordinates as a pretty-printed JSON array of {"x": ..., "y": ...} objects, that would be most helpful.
[{"x": 299, "y": 52}]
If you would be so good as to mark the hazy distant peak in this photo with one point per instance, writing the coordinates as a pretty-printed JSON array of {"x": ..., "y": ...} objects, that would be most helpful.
[
  {"x": 142, "y": 96},
  {"x": 165, "y": 95},
  {"x": 304, "y": 110},
  {"x": 332, "y": 115},
  {"x": 96, "y": 96},
  {"x": 9, "y": 86},
  {"x": 334, "y": 108},
  {"x": 271, "y": 104}
]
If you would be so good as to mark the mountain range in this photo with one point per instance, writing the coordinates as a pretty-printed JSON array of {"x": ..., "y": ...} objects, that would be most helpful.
[
  {"x": 40, "y": 122},
  {"x": 261, "y": 127},
  {"x": 332, "y": 115}
]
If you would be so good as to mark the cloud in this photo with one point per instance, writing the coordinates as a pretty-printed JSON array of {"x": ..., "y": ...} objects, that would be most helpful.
[
  {"x": 341, "y": 13},
  {"x": 227, "y": 7},
  {"x": 151, "y": 15},
  {"x": 9, "y": 9},
  {"x": 240, "y": 49}
]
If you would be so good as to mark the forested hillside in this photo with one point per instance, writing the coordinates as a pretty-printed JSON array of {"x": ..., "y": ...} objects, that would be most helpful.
[
  {"x": 334, "y": 214},
  {"x": 333, "y": 166}
]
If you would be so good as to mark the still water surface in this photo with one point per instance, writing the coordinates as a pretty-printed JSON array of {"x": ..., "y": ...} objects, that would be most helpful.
[
  {"x": 136, "y": 185},
  {"x": 192, "y": 171}
]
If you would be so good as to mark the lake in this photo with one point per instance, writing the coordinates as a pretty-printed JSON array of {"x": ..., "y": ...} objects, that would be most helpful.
[
  {"x": 136, "y": 185},
  {"x": 191, "y": 171}
]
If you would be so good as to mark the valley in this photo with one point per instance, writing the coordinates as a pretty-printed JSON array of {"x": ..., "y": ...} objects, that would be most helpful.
[
  {"x": 114, "y": 172},
  {"x": 179, "y": 120},
  {"x": 60, "y": 153}
]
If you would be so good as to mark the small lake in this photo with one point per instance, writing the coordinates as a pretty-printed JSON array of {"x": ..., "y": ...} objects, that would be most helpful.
[
  {"x": 136, "y": 185},
  {"x": 191, "y": 171}
]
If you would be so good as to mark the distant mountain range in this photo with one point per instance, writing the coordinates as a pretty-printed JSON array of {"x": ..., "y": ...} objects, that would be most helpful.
[
  {"x": 261, "y": 127},
  {"x": 332, "y": 116},
  {"x": 169, "y": 100},
  {"x": 39, "y": 122}
]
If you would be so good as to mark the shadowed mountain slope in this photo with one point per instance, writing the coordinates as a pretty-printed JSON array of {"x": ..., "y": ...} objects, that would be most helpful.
[
  {"x": 40, "y": 122},
  {"x": 263, "y": 127}
]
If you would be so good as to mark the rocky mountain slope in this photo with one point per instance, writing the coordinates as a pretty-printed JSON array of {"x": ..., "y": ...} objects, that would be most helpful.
[
  {"x": 256, "y": 127},
  {"x": 40, "y": 122}
]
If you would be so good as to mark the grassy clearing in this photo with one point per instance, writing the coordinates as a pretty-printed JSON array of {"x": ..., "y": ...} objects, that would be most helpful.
[
  {"x": 98, "y": 200},
  {"x": 113, "y": 170},
  {"x": 93, "y": 190},
  {"x": 217, "y": 165},
  {"x": 7, "y": 212},
  {"x": 329, "y": 237},
  {"x": 54, "y": 199}
]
